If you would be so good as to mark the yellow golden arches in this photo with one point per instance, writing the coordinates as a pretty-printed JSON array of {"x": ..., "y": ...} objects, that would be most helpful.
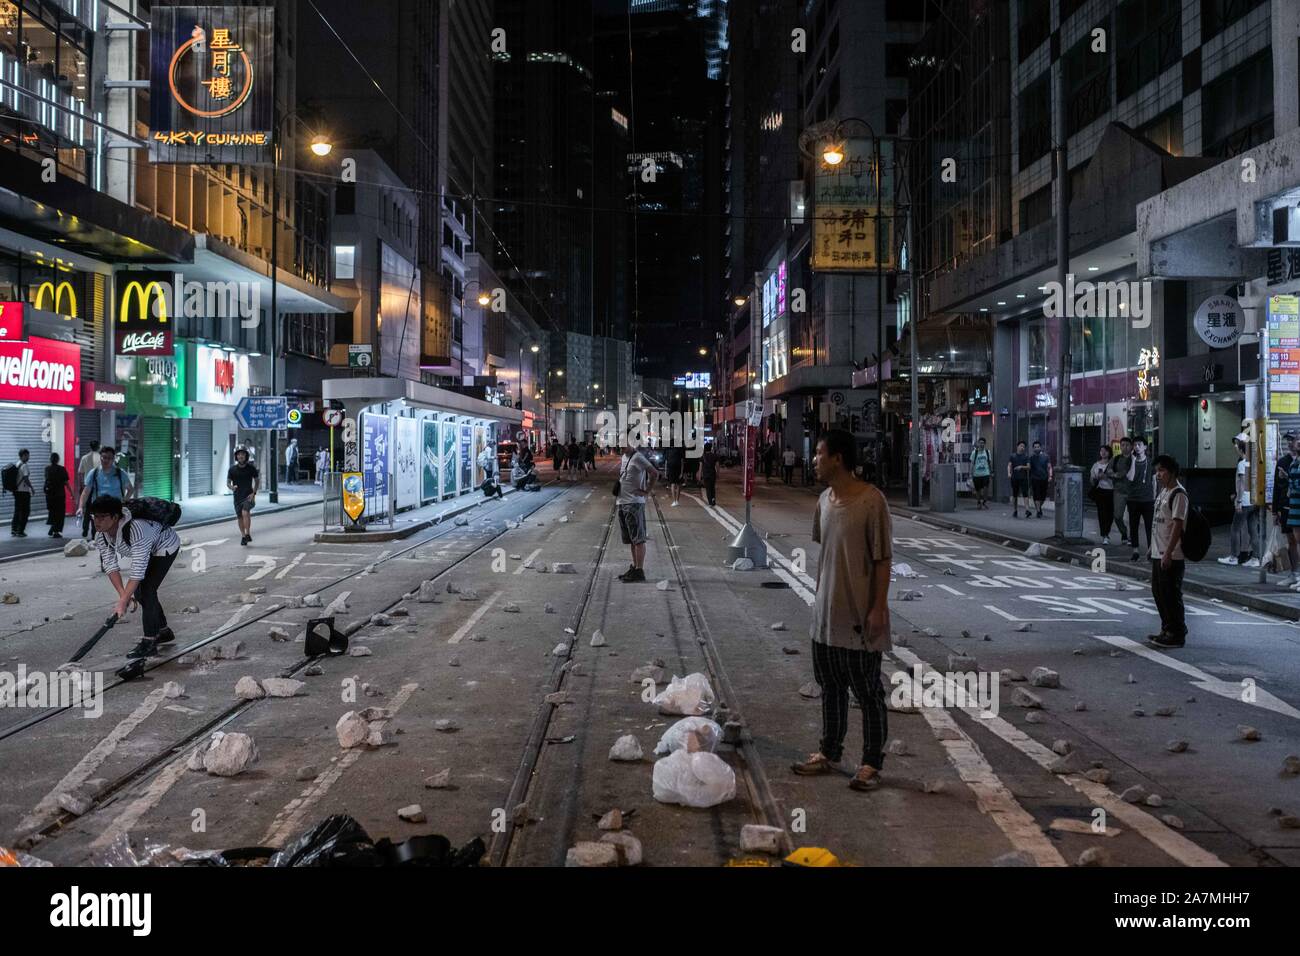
[
  {"x": 143, "y": 292},
  {"x": 56, "y": 293}
]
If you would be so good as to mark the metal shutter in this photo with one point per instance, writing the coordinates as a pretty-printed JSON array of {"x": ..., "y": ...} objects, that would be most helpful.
[
  {"x": 22, "y": 428},
  {"x": 156, "y": 470},
  {"x": 87, "y": 431},
  {"x": 199, "y": 456}
]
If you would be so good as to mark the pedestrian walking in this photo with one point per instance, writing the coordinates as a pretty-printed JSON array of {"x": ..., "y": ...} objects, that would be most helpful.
[
  {"x": 145, "y": 550},
  {"x": 290, "y": 460},
  {"x": 674, "y": 458},
  {"x": 1040, "y": 476},
  {"x": 322, "y": 465},
  {"x": 851, "y": 627},
  {"x": 243, "y": 480},
  {"x": 107, "y": 479},
  {"x": 636, "y": 476},
  {"x": 573, "y": 456},
  {"x": 1240, "y": 544},
  {"x": 56, "y": 496},
  {"x": 591, "y": 455},
  {"x": 89, "y": 462},
  {"x": 1018, "y": 472},
  {"x": 1141, "y": 494},
  {"x": 769, "y": 460},
  {"x": 22, "y": 492},
  {"x": 981, "y": 470},
  {"x": 788, "y": 458},
  {"x": 1167, "y": 562},
  {"x": 1119, "y": 478},
  {"x": 1102, "y": 492},
  {"x": 709, "y": 474}
]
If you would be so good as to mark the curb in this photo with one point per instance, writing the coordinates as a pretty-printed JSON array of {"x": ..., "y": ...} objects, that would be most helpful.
[
  {"x": 1138, "y": 572},
  {"x": 397, "y": 534},
  {"x": 179, "y": 528}
]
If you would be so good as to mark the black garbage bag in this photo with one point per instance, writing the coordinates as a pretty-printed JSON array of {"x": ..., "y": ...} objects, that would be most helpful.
[
  {"x": 431, "y": 850},
  {"x": 337, "y": 840}
]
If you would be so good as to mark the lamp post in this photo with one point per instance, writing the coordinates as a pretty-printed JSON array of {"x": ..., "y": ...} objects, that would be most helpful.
[{"x": 320, "y": 146}]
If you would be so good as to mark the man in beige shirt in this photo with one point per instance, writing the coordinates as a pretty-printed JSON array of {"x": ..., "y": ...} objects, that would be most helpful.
[{"x": 851, "y": 629}]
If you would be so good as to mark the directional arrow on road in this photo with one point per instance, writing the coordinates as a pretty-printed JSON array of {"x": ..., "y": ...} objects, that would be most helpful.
[
  {"x": 268, "y": 565},
  {"x": 1215, "y": 685}
]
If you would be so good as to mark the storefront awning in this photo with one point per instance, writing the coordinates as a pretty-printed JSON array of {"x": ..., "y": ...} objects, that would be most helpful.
[
  {"x": 218, "y": 261},
  {"x": 809, "y": 379},
  {"x": 361, "y": 392}
]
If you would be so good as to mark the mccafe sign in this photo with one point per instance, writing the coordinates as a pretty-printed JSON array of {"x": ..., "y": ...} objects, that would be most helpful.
[{"x": 143, "y": 326}]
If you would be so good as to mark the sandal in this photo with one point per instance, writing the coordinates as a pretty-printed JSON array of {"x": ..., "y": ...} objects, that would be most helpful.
[
  {"x": 816, "y": 765},
  {"x": 867, "y": 778}
]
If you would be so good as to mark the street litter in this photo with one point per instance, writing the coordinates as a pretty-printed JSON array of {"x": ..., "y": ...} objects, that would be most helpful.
[
  {"x": 626, "y": 748},
  {"x": 692, "y": 734},
  {"x": 700, "y": 779},
  {"x": 691, "y": 695}
]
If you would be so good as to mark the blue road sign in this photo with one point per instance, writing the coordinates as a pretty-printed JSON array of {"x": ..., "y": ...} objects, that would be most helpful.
[{"x": 262, "y": 413}]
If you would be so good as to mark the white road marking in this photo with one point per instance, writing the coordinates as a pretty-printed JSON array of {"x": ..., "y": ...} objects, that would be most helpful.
[
  {"x": 1012, "y": 617},
  {"x": 268, "y": 565},
  {"x": 205, "y": 544},
  {"x": 342, "y": 554},
  {"x": 157, "y": 789},
  {"x": 527, "y": 562},
  {"x": 473, "y": 619},
  {"x": 1215, "y": 685},
  {"x": 950, "y": 590},
  {"x": 290, "y": 566},
  {"x": 90, "y": 762},
  {"x": 232, "y": 620},
  {"x": 289, "y": 819}
]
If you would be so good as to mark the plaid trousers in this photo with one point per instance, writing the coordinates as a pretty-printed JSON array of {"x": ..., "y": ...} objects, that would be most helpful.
[{"x": 838, "y": 670}]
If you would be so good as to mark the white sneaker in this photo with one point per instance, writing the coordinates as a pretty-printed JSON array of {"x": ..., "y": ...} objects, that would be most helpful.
[
  {"x": 1105, "y": 540},
  {"x": 1228, "y": 560},
  {"x": 1252, "y": 563},
  {"x": 674, "y": 504}
]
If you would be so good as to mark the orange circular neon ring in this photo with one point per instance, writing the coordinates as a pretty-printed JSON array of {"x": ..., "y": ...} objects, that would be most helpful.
[{"x": 171, "y": 82}]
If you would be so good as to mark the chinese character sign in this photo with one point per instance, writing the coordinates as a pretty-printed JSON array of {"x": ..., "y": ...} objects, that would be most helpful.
[
  {"x": 212, "y": 84},
  {"x": 375, "y": 455},
  {"x": 1283, "y": 355},
  {"x": 1148, "y": 378},
  {"x": 845, "y": 233}
]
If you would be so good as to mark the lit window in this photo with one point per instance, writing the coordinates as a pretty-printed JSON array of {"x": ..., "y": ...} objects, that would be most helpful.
[{"x": 345, "y": 261}]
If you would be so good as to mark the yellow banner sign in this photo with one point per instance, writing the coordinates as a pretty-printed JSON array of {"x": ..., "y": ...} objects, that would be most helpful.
[{"x": 354, "y": 502}]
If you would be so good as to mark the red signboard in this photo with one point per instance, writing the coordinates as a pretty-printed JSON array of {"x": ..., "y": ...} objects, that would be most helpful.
[
  {"x": 41, "y": 372},
  {"x": 135, "y": 342},
  {"x": 102, "y": 395},
  {"x": 751, "y": 459},
  {"x": 11, "y": 321}
]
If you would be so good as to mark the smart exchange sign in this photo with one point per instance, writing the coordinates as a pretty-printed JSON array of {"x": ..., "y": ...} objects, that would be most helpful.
[{"x": 1218, "y": 321}]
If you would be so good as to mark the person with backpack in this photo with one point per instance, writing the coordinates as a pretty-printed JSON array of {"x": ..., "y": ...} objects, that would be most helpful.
[
  {"x": 137, "y": 537},
  {"x": 88, "y": 463},
  {"x": 243, "y": 480},
  {"x": 107, "y": 479},
  {"x": 981, "y": 470},
  {"x": 56, "y": 496},
  {"x": 18, "y": 481},
  {"x": 1168, "y": 561}
]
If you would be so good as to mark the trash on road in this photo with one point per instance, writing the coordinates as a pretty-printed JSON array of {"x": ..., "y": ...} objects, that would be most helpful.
[{"x": 700, "y": 779}]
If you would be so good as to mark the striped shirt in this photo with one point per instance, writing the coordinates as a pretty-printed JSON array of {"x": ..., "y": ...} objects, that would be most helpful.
[{"x": 148, "y": 538}]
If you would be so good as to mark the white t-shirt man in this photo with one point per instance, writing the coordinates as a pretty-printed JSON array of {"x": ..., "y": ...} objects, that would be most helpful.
[
  {"x": 1243, "y": 483},
  {"x": 788, "y": 458},
  {"x": 634, "y": 478}
]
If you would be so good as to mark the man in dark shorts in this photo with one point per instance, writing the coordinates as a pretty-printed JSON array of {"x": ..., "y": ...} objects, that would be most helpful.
[
  {"x": 674, "y": 460},
  {"x": 981, "y": 470},
  {"x": 636, "y": 476},
  {"x": 1040, "y": 476},
  {"x": 242, "y": 480},
  {"x": 1018, "y": 472}
]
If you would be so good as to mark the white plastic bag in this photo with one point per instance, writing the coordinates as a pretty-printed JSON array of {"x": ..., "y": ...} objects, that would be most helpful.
[
  {"x": 690, "y": 734},
  {"x": 1277, "y": 557},
  {"x": 690, "y": 695},
  {"x": 693, "y": 779}
]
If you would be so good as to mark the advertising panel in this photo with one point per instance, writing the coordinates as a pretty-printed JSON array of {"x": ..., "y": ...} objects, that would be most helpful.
[
  {"x": 844, "y": 223},
  {"x": 406, "y": 463},
  {"x": 41, "y": 372},
  {"x": 466, "y": 458},
  {"x": 220, "y": 377},
  {"x": 376, "y": 452},
  {"x": 447, "y": 459},
  {"x": 430, "y": 472},
  {"x": 480, "y": 442}
]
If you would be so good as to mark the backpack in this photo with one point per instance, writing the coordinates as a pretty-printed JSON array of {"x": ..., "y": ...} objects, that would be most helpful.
[
  {"x": 157, "y": 510},
  {"x": 118, "y": 476},
  {"x": 1196, "y": 533},
  {"x": 9, "y": 478}
]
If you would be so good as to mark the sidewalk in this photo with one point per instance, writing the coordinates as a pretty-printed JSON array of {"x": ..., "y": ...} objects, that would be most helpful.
[
  {"x": 407, "y": 523},
  {"x": 210, "y": 509},
  {"x": 1207, "y": 577}
]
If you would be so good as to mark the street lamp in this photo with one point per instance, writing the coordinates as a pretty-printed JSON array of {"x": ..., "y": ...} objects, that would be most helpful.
[{"x": 321, "y": 146}]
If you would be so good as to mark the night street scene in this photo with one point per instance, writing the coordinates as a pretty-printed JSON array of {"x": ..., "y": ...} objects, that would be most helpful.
[{"x": 648, "y": 434}]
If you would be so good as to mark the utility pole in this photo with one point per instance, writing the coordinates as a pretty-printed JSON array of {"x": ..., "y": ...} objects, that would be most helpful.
[
  {"x": 748, "y": 543},
  {"x": 1069, "y": 478}
]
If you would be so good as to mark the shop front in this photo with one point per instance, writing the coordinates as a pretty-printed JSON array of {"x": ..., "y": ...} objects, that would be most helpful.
[
  {"x": 40, "y": 389},
  {"x": 219, "y": 381},
  {"x": 148, "y": 433}
]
